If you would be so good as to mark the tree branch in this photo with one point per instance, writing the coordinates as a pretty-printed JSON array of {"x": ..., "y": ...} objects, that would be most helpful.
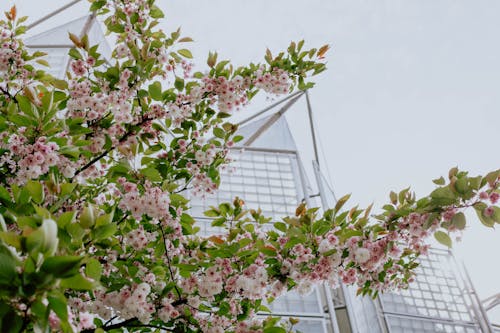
[
  {"x": 107, "y": 151},
  {"x": 169, "y": 263},
  {"x": 132, "y": 322},
  {"x": 9, "y": 95}
]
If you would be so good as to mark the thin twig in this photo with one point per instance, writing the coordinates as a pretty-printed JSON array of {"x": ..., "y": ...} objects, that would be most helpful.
[
  {"x": 169, "y": 262},
  {"x": 107, "y": 151}
]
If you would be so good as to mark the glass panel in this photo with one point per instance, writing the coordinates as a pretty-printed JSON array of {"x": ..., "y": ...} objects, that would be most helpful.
[
  {"x": 265, "y": 180},
  {"x": 364, "y": 312},
  {"x": 296, "y": 304},
  {"x": 54, "y": 42},
  {"x": 437, "y": 293},
  {"x": 269, "y": 181},
  {"x": 407, "y": 325},
  {"x": 310, "y": 326}
]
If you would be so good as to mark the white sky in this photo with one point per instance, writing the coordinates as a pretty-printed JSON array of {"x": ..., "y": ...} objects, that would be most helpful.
[{"x": 412, "y": 89}]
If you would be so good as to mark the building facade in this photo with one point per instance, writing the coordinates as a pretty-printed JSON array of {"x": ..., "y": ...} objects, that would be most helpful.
[{"x": 268, "y": 174}]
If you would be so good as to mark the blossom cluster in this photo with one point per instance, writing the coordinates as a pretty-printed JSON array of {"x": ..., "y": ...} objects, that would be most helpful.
[
  {"x": 12, "y": 64},
  {"x": 30, "y": 161},
  {"x": 121, "y": 143},
  {"x": 275, "y": 82},
  {"x": 231, "y": 94},
  {"x": 153, "y": 201}
]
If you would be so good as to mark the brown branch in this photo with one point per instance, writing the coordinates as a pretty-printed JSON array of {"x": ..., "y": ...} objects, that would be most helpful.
[
  {"x": 179, "y": 295},
  {"x": 9, "y": 95},
  {"x": 132, "y": 322},
  {"x": 124, "y": 323},
  {"x": 107, "y": 151}
]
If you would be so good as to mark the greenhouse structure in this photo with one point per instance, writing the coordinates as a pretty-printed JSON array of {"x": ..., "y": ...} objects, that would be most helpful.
[{"x": 268, "y": 173}]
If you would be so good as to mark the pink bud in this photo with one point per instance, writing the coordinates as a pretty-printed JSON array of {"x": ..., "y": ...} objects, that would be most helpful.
[{"x": 488, "y": 212}]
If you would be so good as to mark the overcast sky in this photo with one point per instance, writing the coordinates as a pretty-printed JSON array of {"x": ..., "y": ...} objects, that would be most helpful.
[{"x": 412, "y": 89}]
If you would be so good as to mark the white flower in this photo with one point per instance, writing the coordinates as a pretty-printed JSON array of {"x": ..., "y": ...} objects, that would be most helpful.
[
  {"x": 362, "y": 255},
  {"x": 305, "y": 288},
  {"x": 324, "y": 246},
  {"x": 68, "y": 171}
]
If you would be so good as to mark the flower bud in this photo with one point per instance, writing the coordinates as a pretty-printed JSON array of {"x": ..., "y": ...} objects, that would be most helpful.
[{"x": 50, "y": 240}]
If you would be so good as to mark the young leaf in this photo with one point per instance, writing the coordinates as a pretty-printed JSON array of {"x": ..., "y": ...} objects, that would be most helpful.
[
  {"x": 341, "y": 202},
  {"x": 185, "y": 53},
  {"x": 443, "y": 238},
  {"x": 459, "y": 221},
  {"x": 155, "y": 91}
]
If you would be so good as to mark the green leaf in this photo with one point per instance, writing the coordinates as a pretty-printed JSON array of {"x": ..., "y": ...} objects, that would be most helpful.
[
  {"x": 77, "y": 282},
  {"x": 104, "y": 231},
  {"x": 459, "y": 220},
  {"x": 443, "y": 238},
  {"x": 280, "y": 226},
  {"x": 177, "y": 200},
  {"x": 59, "y": 84},
  {"x": 25, "y": 105},
  {"x": 97, "y": 5},
  {"x": 439, "y": 181},
  {"x": 156, "y": 12},
  {"x": 179, "y": 83},
  {"x": 475, "y": 182},
  {"x": 11, "y": 238},
  {"x": 76, "y": 231},
  {"x": 35, "y": 240},
  {"x": 264, "y": 308},
  {"x": 341, "y": 202},
  {"x": 185, "y": 40},
  {"x": 62, "y": 266},
  {"x": 11, "y": 322},
  {"x": 491, "y": 177},
  {"x": 66, "y": 218},
  {"x": 186, "y": 269},
  {"x": 443, "y": 196},
  {"x": 155, "y": 91},
  {"x": 348, "y": 233},
  {"x": 211, "y": 213},
  {"x": 73, "y": 53},
  {"x": 274, "y": 329},
  {"x": 105, "y": 219},
  {"x": 57, "y": 302},
  {"x": 20, "y": 120},
  {"x": 36, "y": 190},
  {"x": 486, "y": 220},
  {"x": 185, "y": 53},
  {"x": 237, "y": 138},
  {"x": 39, "y": 310},
  {"x": 42, "y": 212},
  {"x": 496, "y": 214},
  {"x": 152, "y": 174},
  {"x": 219, "y": 132},
  {"x": 93, "y": 269},
  {"x": 87, "y": 218},
  {"x": 4, "y": 194},
  {"x": 67, "y": 188},
  {"x": 7, "y": 267},
  {"x": 218, "y": 222},
  {"x": 43, "y": 62},
  {"x": 462, "y": 185}
]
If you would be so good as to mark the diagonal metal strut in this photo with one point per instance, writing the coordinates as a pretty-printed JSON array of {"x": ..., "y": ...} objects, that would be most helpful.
[{"x": 272, "y": 120}]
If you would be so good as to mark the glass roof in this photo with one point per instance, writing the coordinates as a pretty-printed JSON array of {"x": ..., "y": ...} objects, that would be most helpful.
[{"x": 56, "y": 43}]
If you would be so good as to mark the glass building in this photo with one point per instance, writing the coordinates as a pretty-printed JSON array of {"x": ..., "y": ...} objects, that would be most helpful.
[{"x": 268, "y": 173}]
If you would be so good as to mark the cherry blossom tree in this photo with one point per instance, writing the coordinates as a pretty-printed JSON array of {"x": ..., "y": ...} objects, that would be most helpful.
[{"x": 95, "y": 230}]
